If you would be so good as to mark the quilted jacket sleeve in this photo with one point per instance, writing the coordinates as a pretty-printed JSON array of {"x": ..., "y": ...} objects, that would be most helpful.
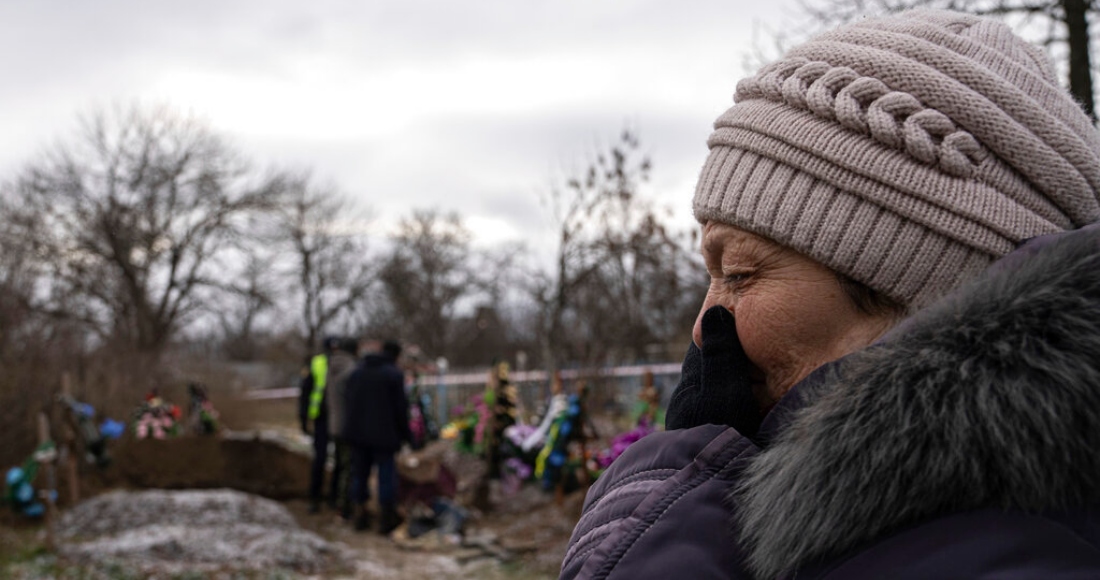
[{"x": 660, "y": 511}]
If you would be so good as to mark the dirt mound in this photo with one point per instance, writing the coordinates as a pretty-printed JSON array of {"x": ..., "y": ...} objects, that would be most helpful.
[
  {"x": 252, "y": 462},
  {"x": 169, "y": 531},
  {"x": 119, "y": 511}
]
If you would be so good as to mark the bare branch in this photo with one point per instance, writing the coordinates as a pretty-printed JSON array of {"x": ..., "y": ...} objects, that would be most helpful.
[{"x": 141, "y": 200}]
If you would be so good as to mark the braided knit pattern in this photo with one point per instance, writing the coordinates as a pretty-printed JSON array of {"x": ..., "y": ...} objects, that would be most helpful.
[
  {"x": 867, "y": 106},
  {"x": 907, "y": 152}
]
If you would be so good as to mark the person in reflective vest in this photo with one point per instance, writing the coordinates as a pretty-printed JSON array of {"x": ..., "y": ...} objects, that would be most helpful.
[{"x": 313, "y": 413}]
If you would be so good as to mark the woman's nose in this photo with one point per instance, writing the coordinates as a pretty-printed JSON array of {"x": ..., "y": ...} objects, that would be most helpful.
[{"x": 697, "y": 329}]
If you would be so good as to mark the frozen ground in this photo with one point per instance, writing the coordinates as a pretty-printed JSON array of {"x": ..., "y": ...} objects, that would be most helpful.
[
  {"x": 169, "y": 532},
  {"x": 190, "y": 534}
]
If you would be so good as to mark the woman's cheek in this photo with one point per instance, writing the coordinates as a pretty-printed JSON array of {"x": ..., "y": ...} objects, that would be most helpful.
[
  {"x": 752, "y": 330},
  {"x": 766, "y": 330}
]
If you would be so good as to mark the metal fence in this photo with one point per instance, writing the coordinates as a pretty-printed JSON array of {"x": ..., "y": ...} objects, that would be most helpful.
[{"x": 612, "y": 390}]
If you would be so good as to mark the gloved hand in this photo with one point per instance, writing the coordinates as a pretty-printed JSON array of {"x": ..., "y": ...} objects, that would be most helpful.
[
  {"x": 714, "y": 381},
  {"x": 306, "y": 429}
]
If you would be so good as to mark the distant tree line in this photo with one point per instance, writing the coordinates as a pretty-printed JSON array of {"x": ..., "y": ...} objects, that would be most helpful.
[{"x": 146, "y": 236}]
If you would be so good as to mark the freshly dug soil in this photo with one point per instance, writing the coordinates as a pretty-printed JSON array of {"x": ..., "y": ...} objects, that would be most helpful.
[{"x": 257, "y": 463}]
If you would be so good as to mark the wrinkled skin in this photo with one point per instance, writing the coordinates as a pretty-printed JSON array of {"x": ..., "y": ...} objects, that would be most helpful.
[{"x": 792, "y": 314}]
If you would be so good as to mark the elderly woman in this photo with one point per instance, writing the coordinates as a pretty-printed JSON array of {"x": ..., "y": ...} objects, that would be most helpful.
[{"x": 866, "y": 396}]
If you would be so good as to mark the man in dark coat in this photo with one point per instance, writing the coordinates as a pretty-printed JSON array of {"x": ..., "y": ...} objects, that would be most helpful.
[
  {"x": 376, "y": 424},
  {"x": 340, "y": 366}
]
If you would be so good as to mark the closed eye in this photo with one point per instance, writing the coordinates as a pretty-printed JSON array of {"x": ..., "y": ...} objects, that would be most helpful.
[{"x": 736, "y": 279}]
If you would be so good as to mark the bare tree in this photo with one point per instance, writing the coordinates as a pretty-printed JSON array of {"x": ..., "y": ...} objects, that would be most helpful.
[
  {"x": 424, "y": 278},
  {"x": 249, "y": 296},
  {"x": 619, "y": 273},
  {"x": 1063, "y": 26},
  {"x": 15, "y": 287},
  {"x": 492, "y": 325},
  {"x": 332, "y": 273},
  {"x": 125, "y": 222},
  {"x": 643, "y": 297},
  {"x": 576, "y": 209},
  {"x": 34, "y": 349}
]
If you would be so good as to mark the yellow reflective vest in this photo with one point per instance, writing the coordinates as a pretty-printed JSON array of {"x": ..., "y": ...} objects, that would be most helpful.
[{"x": 318, "y": 367}]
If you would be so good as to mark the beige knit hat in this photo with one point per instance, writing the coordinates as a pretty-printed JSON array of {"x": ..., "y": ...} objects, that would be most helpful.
[{"x": 906, "y": 152}]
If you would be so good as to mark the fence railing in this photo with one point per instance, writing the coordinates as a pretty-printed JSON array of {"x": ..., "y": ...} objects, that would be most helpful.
[{"x": 611, "y": 389}]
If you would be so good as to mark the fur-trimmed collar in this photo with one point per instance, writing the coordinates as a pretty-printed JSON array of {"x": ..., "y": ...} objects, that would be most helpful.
[{"x": 990, "y": 398}]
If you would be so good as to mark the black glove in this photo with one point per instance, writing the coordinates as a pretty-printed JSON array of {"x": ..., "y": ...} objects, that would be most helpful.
[{"x": 714, "y": 382}]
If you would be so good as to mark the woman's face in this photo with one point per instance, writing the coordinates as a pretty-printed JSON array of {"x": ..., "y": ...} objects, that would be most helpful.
[{"x": 792, "y": 315}]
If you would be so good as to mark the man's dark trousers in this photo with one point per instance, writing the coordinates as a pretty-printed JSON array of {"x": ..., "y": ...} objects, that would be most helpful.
[
  {"x": 317, "y": 469},
  {"x": 362, "y": 460}
]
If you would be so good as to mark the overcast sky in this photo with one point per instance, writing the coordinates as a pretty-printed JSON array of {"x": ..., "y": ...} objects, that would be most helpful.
[{"x": 470, "y": 106}]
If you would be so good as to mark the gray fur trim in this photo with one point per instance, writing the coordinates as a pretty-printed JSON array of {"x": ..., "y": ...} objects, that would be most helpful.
[{"x": 989, "y": 399}]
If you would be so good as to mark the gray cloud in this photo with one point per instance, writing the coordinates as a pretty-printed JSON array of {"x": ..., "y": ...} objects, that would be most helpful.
[{"x": 666, "y": 68}]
